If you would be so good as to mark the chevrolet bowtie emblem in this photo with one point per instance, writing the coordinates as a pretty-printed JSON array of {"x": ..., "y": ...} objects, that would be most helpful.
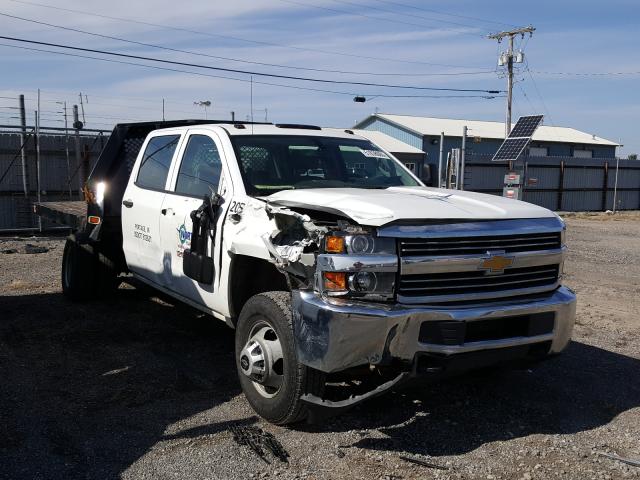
[{"x": 496, "y": 263}]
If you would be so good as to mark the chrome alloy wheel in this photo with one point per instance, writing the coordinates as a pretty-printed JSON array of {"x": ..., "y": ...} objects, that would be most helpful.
[{"x": 262, "y": 361}]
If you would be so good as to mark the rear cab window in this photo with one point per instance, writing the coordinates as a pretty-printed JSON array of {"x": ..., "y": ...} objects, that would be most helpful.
[{"x": 156, "y": 162}]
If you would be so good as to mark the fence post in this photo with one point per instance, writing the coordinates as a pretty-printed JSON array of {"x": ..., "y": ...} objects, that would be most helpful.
[
  {"x": 84, "y": 165},
  {"x": 23, "y": 149},
  {"x": 77, "y": 125},
  {"x": 440, "y": 160},
  {"x": 615, "y": 185},
  {"x": 605, "y": 185},
  {"x": 560, "y": 185}
]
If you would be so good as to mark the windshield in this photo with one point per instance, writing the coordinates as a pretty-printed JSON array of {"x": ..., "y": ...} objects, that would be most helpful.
[{"x": 270, "y": 163}]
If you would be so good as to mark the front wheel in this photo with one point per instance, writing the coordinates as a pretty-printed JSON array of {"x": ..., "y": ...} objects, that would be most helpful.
[{"x": 270, "y": 375}]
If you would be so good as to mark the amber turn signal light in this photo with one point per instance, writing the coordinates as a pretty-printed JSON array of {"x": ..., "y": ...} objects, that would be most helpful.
[
  {"x": 334, "y": 244},
  {"x": 94, "y": 220},
  {"x": 335, "y": 281}
]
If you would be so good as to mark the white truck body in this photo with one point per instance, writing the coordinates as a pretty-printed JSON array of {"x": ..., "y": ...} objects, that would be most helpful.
[{"x": 440, "y": 276}]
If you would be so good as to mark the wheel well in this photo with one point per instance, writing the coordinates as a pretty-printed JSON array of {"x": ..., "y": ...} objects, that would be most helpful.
[{"x": 250, "y": 276}]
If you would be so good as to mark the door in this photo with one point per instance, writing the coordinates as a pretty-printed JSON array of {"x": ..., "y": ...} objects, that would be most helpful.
[
  {"x": 196, "y": 174},
  {"x": 142, "y": 201}
]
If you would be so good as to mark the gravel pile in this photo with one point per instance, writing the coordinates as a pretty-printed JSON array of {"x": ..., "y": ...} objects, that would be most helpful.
[{"x": 141, "y": 387}]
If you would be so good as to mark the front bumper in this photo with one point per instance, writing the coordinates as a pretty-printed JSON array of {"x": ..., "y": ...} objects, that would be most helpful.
[{"x": 332, "y": 335}]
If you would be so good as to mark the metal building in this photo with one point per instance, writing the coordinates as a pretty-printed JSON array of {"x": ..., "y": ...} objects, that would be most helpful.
[
  {"x": 484, "y": 138},
  {"x": 564, "y": 168}
]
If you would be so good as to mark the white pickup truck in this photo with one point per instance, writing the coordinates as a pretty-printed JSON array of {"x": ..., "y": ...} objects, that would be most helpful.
[{"x": 331, "y": 260}]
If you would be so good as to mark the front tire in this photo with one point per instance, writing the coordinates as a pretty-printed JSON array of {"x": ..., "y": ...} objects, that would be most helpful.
[{"x": 271, "y": 377}]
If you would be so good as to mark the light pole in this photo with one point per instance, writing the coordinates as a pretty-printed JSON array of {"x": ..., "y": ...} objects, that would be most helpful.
[{"x": 203, "y": 103}]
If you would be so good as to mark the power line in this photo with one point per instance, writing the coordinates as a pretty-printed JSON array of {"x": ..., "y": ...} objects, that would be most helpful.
[
  {"x": 231, "y": 59},
  {"x": 239, "y": 39},
  {"x": 127, "y": 98},
  {"x": 364, "y": 15},
  {"x": 155, "y": 67},
  {"x": 384, "y": 10},
  {"x": 524, "y": 94},
  {"x": 588, "y": 74},
  {"x": 535, "y": 86},
  {"x": 247, "y": 72},
  {"x": 439, "y": 12}
]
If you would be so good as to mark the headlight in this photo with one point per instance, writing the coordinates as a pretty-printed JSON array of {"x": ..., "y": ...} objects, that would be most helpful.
[
  {"x": 363, "y": 281},
  {"x": 372, "y": 285},
  {"x": 360, "y": 244},
  {"x": 363, "y": 284},
  {"x": 366, "y": 244},
  {"x": 358, "y": 266}
]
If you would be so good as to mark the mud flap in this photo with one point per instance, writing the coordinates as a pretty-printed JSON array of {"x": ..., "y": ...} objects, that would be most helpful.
[{"x": 320, "y": 409}]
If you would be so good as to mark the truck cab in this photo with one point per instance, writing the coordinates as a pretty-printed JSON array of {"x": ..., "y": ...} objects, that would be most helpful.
[{"x": 329, "y": 258}]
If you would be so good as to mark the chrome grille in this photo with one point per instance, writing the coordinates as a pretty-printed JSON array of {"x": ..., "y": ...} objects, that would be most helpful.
[
  {"x": 457, "y": 285},
  {"x": 478, "y": 245}
]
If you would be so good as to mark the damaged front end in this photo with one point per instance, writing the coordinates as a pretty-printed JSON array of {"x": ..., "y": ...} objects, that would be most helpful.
[
  {"x": 349, "y": 320},
  {"x": 329, "y": 264},
  {"x": 293, "y": 245}
]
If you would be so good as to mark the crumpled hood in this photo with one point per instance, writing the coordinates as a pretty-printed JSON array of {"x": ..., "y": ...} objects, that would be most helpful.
[{"x": 376, "y": 207}]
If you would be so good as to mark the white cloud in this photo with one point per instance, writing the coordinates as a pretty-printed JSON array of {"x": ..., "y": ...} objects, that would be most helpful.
[{"x": 603, "y": 106}]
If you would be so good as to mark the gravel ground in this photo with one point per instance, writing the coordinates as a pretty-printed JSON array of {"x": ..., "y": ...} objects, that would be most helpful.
[{"x": 144, "y": 388}]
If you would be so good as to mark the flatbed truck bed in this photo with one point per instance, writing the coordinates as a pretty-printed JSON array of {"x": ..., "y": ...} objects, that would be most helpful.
[{"x": 69, "y": 213}]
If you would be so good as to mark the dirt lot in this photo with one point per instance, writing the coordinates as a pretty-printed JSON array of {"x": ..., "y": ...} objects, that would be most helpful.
[{"x": 144, "y": 388}]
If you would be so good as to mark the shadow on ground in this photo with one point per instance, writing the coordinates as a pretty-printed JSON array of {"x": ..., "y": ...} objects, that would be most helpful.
[
  {"x": 584, "y": 388},
  {"x": 88, "y": 389}
]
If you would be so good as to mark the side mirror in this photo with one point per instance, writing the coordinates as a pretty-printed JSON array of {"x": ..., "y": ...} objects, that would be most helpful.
[{"x": 196, "y": 264}]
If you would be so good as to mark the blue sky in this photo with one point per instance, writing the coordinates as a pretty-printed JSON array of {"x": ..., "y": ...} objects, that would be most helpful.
[{"x": 409, "y": 39}]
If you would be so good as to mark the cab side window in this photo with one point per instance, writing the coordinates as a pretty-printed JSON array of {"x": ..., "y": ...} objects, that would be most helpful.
[
  {"x": 200, "y": 168},
  {"x": 156, "y": 161}
]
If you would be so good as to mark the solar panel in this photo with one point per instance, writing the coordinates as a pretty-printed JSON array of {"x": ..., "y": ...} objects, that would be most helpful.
[
  {"x": 511, "y": 149},
  {"x": 518, "y": 139},
  {"x": 525, "y": 126}
]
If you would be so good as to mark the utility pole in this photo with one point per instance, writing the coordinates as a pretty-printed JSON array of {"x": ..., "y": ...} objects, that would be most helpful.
[
  {"x": 37, "y": 115},
  {"x": 266, "y": 113},
  {"x": 23, "y": 150},
  {"x": 507, "y": 58},
  {"x": 77, "y": 125},
  {"x": 463, "y": 151},
  {"x": 163, "y": 109},
  {"x": 84, "y": 121},
  {"x": 66, "y": 143},
  {"x": 440, "y": 160},
  {"x": 233, "y": 116}
]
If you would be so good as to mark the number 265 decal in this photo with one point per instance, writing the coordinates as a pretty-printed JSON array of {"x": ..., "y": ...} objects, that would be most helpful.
[{"x": 236, "y": 207}]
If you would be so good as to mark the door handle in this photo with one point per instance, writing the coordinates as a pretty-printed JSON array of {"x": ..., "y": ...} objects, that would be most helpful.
[
  {"x": 164, "y": 211},
  {"x": 127, "y": 203}
]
